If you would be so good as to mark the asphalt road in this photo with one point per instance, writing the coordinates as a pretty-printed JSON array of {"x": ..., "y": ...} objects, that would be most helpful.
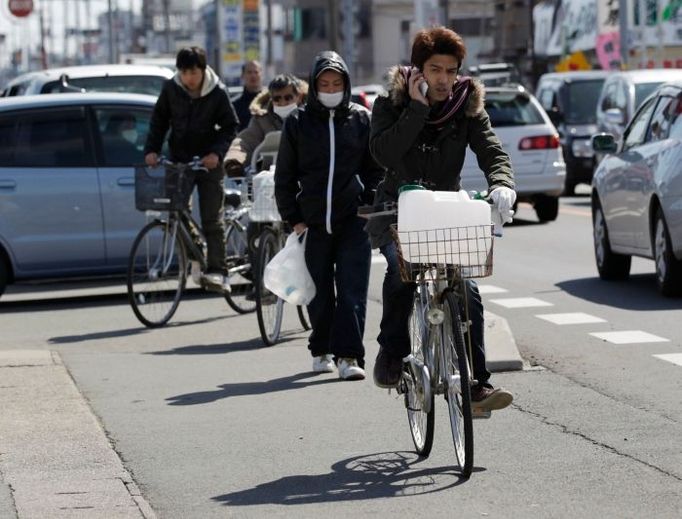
[{"x": 208, "y": 423}]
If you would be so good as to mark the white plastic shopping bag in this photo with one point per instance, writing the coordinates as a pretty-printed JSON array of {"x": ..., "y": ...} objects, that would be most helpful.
[{"x": 287, "y": 275}]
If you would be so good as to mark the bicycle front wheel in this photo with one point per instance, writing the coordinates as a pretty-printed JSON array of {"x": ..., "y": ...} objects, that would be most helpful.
[
  {"x": 157, "y": 272},
  {"x": 269, "y": 307},
  {"x": 416, "y": 383},
  {"x": 304, "y": 317},
  {"x": 456, "y": 376},
  {"x": 241, "y": 298}
]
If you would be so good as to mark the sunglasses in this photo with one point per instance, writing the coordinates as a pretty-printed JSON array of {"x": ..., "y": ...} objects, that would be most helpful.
[{"x": 285, "y": 97}]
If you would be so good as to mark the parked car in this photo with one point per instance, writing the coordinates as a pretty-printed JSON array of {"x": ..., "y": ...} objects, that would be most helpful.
[
  {"x": 137, "y": 79},
  {"x": 532, "y": 142},
  {"x": 636, "y": 192},
  {"x": 371, "y": 92},
  {"x": 624, "y": 91},
  {"x": 67, "y": 185},
  {"x": 570, "y": 100}
]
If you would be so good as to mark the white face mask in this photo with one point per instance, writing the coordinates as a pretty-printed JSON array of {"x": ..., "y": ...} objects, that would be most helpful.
[
  {"x": 130, "y": 135},
  {"x": 283, "y": 111},
  {"x": 330, "y": 100}
]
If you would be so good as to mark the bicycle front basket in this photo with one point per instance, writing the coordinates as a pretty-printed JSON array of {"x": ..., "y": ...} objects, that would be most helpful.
[{"x": 162, "y": 189}]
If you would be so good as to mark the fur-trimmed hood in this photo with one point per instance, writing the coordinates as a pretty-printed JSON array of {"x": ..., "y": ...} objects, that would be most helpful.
[
  {"x": 261, "y": 103},
  {"x": 397, "y": 92}
]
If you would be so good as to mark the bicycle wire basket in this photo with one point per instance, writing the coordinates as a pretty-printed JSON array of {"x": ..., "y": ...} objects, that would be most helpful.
[
  {"x": 449, "y": 253},
  {"x": 166, "y": 188}
]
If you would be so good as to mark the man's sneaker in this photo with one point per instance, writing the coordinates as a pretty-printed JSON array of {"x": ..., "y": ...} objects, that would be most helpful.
[
  {"x": 349, "y": 369},
  {"x": 387, "y": 370},
  {"x": 323, "y": 364},
  {"x": 485, "y": 397},
  {"x": 217, "y": 282}
]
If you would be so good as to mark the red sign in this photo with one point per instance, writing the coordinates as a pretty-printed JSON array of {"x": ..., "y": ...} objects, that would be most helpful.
[{"x": 20, "y": 8}]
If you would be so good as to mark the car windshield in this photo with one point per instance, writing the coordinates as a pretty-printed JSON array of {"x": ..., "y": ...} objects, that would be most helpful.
[
  {"x": 513, "y": 109},
  {"x": 150, "y": 85},
  {"x": 581, "y": 101},
  {"x": 642, "y": 91}
]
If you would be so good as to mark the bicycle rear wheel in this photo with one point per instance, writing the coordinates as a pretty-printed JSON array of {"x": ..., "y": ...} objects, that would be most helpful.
[
  {"x": 416, "y": 384},
  {"x": 241, "y": 298},
  {"x": 269, "y": 307},
  {"x": 157, "y": 270},
  {"x": 456, "y": 373},
  {"x": 304, "y": 317}
]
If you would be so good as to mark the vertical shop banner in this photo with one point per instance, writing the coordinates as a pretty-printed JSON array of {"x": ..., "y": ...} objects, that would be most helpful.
[
  {"x": 251, "y": 29},
  {"x": 608, "y": 39},
  {"x": 230, "y": 23}
]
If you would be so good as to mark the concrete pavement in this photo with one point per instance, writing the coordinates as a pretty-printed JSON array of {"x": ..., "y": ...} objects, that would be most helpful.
[{"x": 55, "y": 457}]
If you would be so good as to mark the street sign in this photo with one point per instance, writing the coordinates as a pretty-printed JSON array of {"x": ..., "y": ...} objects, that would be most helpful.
[{"x": 20, "y": 8}]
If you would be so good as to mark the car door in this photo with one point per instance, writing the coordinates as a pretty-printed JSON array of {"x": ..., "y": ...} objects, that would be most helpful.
[
  {"x": 50, "y": 216},
  {"x": 121, "y": 135},
  {"x": 623, "y": 181},
  {"x": 641, "y": 181}
]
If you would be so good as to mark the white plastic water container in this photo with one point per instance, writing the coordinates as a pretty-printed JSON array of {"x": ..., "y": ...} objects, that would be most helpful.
[
  {"x": 444, "y": 227},
  {"x": 264, "y": 208}
]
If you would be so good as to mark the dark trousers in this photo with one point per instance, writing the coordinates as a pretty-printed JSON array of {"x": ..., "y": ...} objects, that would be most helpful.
[
  {"x": 212, "y": 210},
  {"x": 339, "y": 264},
  {"x": 394, "y": 335}
]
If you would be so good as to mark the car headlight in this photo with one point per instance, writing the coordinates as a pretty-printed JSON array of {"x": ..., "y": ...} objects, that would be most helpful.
[{"x": 582, "y": 148}]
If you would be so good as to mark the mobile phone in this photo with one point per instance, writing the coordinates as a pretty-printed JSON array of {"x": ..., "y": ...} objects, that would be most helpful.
[{"x": 423, "y": 88}]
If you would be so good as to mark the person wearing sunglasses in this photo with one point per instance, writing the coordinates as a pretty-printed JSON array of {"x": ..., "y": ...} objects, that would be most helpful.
[{"x": 268, "y": 111}]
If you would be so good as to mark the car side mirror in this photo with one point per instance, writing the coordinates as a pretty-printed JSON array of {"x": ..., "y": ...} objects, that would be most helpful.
[
  {"x": 604, "y": 143},
  {"x": 615, "y": 116},
  {"x": 555, "y": 116}
]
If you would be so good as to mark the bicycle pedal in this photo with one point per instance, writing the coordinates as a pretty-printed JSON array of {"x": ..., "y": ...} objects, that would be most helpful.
[{"x": 479, "y": 412}]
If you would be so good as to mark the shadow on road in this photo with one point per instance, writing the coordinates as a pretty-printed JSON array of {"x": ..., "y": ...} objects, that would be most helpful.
[
  {"x": 371, "y": 476},
  {"x": 637, "y": 293},
  {"x": 250, "y": 388},
  {"x": 216, "y": 349}
]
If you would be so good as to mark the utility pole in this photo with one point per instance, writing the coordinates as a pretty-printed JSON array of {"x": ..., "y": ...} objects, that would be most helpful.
[
  {"x": 268, "y": 51},
  {"x": 445, "y": 10},
  {"x": 624, "y": 33},
  {"x": 166, "y": 24},
  {"x": 333, "y": 25},
  {"x": 110, "y": 27}
]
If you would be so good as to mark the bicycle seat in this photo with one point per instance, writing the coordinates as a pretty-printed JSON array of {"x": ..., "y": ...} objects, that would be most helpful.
[{"x": 233, "y": 197}]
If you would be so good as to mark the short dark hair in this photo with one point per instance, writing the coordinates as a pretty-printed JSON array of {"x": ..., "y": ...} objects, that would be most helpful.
[
  {"x": 191, "y": 57},
  {"x": 437, "y": 40},
  {"x": 285, "y": 80}
]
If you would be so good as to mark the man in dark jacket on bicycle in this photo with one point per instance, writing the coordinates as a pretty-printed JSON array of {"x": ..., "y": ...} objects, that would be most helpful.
[
  {"x": 196, "y": 107},
  {"x": 421, "y": 137},
  {"x": 324, "y": 172}
]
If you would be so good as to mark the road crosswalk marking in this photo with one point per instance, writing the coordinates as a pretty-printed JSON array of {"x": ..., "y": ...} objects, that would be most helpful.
[
  {"x": 675, "y": 358},
  {"x": 491, "y": 289},
  {"x": 571, "y": 318},
  {"x": 520, "y": 302},
  {"x": 628, "y": 337}
]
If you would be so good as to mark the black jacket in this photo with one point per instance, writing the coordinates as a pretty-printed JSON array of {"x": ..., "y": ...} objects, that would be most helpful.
[
  {"x": 198, "y": 126},
  {"x": 242, "y": 107},
  {"x": 314, "y": 185}
]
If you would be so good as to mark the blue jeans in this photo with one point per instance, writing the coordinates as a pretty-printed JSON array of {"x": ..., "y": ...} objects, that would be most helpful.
[
  {"x": 339, "y": 264},
  {"x": 394, "y": 335}
]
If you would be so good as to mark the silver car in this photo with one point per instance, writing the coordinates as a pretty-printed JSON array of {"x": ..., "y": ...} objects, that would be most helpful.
[
  {"x": 67, "y": 183},
  {"x": 637, "y": 190}
]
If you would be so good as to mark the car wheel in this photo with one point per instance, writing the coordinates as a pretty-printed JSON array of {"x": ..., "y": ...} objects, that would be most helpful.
[
  {"x": 611, "y": 266},
  {"x": 668, "y": 268},
  {"x": 4, "y": 274},
  {"x": 569, "y": 188},
  {"x": 546, "y": 207}
]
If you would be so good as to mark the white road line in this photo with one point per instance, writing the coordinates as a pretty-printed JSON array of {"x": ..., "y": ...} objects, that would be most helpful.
[
  {"x": 628, "y": 337},
  {"x": 520, "y": 302},
  {"x": 675, "y": 358},
  {"x": 571, "y": 318},
  {"x": 491, "y": 289}
]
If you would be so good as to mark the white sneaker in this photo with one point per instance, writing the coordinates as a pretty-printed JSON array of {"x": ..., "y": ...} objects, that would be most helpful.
[
  {"x": 349, "y": 369},
  {"x": 323, "y": 364},
  {"x": 216, "y": 281}
]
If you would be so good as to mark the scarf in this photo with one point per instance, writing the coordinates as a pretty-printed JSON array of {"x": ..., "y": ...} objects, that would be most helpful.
[{"x": 456, "y": 99}]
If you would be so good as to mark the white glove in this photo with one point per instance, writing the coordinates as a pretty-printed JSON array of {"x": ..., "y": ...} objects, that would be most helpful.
[{"x": 503, "y": 199}]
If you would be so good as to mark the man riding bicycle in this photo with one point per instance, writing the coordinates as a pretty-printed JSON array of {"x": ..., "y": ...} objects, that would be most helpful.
[
  {"x": 420, "y": 133},
  {"x": 197, "y": 108}
]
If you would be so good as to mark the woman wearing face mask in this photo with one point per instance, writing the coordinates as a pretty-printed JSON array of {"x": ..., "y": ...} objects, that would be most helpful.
[
  {"x": 324, "y": 172},
  {"x": 268, "y": 111}
]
